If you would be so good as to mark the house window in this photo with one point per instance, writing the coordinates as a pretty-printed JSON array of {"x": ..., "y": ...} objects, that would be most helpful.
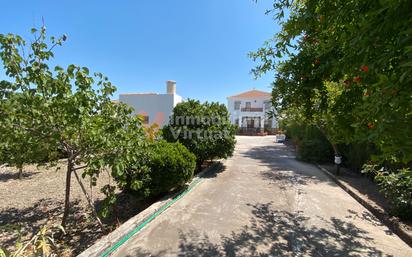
[
  {"x": 248, "y": 105},
  {"x": 237, "y": 105},
  {"x": 237, "y": 121},
  {"x": 267, "y": 104}
]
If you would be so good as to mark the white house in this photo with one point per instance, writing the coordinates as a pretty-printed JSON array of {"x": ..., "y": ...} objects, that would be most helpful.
[
  {"x": 249, "y": 110},
  {"x": 155, "y": 108}
]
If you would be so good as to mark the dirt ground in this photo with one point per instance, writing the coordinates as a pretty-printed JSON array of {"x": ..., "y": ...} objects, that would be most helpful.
[{"x": 37, "y": 199}]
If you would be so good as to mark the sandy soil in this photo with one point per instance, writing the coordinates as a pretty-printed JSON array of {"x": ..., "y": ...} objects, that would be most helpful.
[{"x": 37, "y": 199}]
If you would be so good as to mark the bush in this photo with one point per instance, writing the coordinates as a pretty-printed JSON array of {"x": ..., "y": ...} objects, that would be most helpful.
[
  {"x": 356, "y": 155},
  {"x": 205, "y": 130},
  {"x": 169, "y": 166},
  {"x": 315, "y": 150},
  {"x": 312, "y": 145},
  {"x": 397, "y": 187}
]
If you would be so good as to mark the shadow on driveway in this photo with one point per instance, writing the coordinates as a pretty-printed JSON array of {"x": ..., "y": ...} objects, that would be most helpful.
[
  {"x": 283, "y": 168},
  {"x": 278, "y": 233}
]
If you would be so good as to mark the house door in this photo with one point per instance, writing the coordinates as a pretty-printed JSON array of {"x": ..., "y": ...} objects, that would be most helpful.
[{"x": 251, "y": 123}]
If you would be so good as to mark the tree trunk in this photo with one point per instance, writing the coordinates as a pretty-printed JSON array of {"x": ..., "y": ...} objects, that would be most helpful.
[
  {"x": 334, "y": 146},
  {"x": 89, "y": 201},
  {"x": 335, "y": 149},
  {"x": 20, "y": 172},
  {"x": 67, "y": 196},
  {"x": 199, "y": 166}
]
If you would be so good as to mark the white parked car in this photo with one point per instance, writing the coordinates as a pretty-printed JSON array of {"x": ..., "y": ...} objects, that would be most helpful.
[{"x": 280, "y": 138}]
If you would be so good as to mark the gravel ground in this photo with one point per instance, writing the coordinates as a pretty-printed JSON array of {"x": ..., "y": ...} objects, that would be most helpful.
[{"x": 37, "y": 199}]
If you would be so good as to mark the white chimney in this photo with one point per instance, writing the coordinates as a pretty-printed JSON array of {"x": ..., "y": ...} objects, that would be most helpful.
[{"x": 171, "y": 87}]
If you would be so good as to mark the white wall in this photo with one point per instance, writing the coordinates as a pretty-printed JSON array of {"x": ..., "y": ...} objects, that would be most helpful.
[
  {"x": 255, "y": 103},
  {"x": 177, "y": 99},
  {"x": 158, "y": 107}
]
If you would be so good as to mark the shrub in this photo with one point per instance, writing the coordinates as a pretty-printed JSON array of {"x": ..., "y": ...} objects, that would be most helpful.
[
  {"x": 356, "y": 154},
  {"x": 169, "y": 166},
  {"x": 205, "y": 130},
  {"x": 397, "y": 187},
  {"x": 315, "y": 150},
  {"x": 312, "y": 145}
]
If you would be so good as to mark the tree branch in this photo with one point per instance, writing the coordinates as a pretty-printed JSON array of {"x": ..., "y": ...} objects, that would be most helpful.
[
  {"x": 89, "y": 200},
  {"x": 80, "y": 167}
]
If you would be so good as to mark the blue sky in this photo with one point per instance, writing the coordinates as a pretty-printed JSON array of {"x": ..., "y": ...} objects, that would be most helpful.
[{"x": 202, "y": 44}]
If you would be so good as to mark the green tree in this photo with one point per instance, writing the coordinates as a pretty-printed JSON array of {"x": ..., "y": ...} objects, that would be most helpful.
[
  {"x": 17, "y": 146},
  {"x": 66, "y": 109},
  {"x": 365, "y": 46},
  {"x": 359, "y": 49},
  {"x": 205, "y": 129}
]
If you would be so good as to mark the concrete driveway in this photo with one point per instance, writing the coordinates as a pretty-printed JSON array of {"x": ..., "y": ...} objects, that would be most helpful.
[{"x": 263, "y": 202}]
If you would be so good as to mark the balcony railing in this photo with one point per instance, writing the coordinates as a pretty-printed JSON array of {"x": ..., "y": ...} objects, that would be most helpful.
[
  {"x": 250, "y": 131},
  {"x": 250, "y": 109}
]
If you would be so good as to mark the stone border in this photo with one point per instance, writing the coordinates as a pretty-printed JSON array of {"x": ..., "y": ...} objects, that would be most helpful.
[
  {"x": 113, "y": 237},
  {"x": 391, "y": 222}
]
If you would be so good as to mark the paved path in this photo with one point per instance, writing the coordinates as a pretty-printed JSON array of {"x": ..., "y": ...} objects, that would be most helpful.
[{"x": 265, "y": 203}]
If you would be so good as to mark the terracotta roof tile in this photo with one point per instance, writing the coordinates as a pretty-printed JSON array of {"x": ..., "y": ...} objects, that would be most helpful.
[{"x": 252, "y": 94}]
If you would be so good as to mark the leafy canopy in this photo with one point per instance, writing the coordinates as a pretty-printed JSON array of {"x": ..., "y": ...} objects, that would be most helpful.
[
  {"x": 346, "y": 67},
  {"x": 358, "y": 50},
  {"x": 205, "y": 129},
  {"x": 63, "y": 109}
]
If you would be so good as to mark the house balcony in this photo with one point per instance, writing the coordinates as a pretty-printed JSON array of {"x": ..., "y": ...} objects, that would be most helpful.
[
  {"x": 251, "y": 109},
  {"x": 257, "y": 131}
]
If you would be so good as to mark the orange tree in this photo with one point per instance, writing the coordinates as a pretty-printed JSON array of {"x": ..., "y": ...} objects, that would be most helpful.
[{"x": 362, "y": 47}]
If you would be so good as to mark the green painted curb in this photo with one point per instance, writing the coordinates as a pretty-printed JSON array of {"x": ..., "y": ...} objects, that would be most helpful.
[{"x": 113, "y": 248}]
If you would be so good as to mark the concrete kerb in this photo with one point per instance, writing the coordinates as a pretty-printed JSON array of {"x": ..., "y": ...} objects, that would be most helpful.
[
  {"x": 145, "y": 216},
  {"x": 379, "y": 213}
]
